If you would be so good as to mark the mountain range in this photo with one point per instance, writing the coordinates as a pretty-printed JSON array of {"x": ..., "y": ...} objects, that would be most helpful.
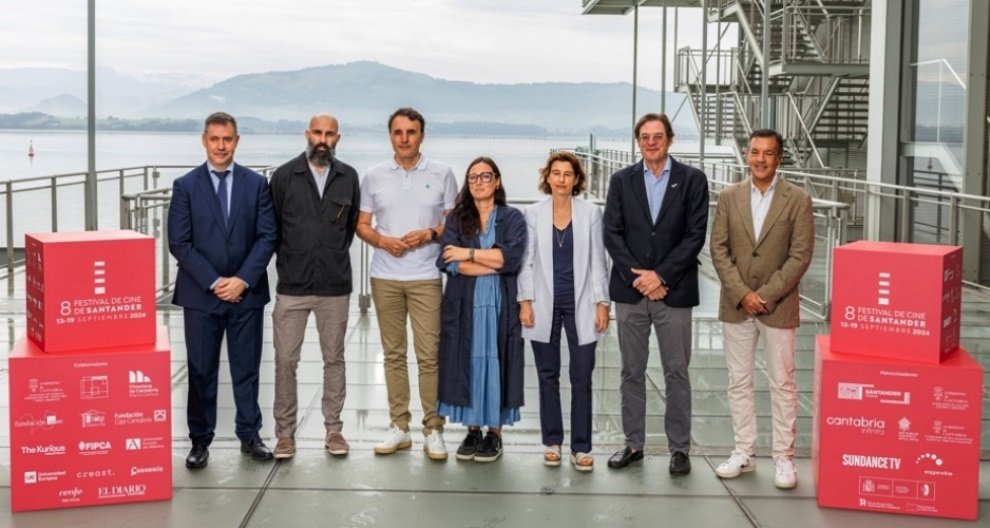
[{"x": 362, "y": 94}]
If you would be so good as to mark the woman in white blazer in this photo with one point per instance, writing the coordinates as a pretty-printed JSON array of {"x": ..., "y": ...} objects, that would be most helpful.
[{"x": 564, "y": 283}]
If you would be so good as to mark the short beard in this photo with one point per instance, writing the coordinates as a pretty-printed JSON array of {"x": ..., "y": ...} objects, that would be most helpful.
[{"x": 318, "y": 157}]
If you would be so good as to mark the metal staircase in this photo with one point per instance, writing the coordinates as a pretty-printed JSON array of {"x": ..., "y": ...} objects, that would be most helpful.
[{"x": 817, "y": 76}]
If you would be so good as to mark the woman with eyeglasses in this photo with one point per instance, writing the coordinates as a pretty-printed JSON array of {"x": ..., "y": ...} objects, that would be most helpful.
[
  {"x": 481, "y": 348},
  {"x": 564, "y": 283}
]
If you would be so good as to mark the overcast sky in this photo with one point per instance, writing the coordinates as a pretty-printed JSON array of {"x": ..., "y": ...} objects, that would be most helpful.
[{"x": 491, "y": 41}]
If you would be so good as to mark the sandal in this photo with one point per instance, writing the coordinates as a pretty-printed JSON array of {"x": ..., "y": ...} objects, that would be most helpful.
[
  {"x": 582, "y": 461},
  {"x": 551, "y": 456}
]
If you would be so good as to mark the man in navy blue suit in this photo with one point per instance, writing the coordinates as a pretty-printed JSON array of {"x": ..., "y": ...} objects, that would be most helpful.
[
  {"x": 656, "y": 218},
  {"x": 222, "y": 232}
]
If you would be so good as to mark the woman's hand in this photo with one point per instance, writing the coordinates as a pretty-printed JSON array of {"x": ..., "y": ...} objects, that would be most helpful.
[
  {"x": 455, "y": 254},
  {"x": 526, "y": 313},
  {"x": 601, "y": 317}
]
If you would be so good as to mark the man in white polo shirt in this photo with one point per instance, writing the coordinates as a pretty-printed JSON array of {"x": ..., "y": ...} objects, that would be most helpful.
[{"x": 407, "y": 197}]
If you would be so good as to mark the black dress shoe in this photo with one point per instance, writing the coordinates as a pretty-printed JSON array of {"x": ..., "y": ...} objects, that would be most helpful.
[
  {"x": 257, "y": 449},
  {"x": 680, "y": 464},
  {"x": 198, "y": 457},
  {"x": 624, "y": 457}
]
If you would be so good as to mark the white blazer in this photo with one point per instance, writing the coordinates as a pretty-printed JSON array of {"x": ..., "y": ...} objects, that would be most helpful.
[{"x": 590, "y": 268}]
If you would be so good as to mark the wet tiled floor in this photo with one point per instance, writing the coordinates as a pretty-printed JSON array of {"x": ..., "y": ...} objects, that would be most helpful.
[{"x": 408, "y": 490}]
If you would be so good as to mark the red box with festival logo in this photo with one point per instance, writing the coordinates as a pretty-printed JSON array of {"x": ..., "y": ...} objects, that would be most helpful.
[
  {"x": 897, "y": 437},
  {"x": 897, "y": 300},
  {"x": 90, "y": 428},
  {"x": 90, "y": 289}
]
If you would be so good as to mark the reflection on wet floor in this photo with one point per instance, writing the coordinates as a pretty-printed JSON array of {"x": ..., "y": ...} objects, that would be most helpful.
[{"x": 407, "y": 489}]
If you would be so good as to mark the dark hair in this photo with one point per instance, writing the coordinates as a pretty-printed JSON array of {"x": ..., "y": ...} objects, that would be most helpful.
[
  {"x": 408, "y": 113},
  {"x": 220, "y": 118},
  {"x": 768, "y": 133},
  {"x": 465, "y": 211},
  {"x": 654, "y": 117},
  {"x": 580, "y": 177}
]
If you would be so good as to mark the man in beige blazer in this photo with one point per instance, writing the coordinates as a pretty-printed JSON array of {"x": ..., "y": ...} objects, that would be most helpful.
[{"x": 762, "y": 243}]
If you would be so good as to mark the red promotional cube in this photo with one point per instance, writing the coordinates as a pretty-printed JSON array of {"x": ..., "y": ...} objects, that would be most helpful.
[
  {"x": 88, "y": 429},
  {"x": 897, "y": 300},
  {"x": 91, "y": 289},
  {"x": 897, "y": 437}
]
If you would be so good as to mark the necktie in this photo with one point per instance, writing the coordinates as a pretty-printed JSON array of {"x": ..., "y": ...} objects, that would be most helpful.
[{"x": 222, "y": 193}]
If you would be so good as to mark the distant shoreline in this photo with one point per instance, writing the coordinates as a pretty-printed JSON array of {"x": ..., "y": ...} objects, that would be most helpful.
[{"x": 37, "y": 121}]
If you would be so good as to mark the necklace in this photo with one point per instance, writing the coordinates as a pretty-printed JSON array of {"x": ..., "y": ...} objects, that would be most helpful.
[{"x": 561, "y": 237}]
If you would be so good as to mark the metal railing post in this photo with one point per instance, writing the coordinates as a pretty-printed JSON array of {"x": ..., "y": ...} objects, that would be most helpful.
[
  {"x": 54, "y": 184},
  {"x": 9, "y": 188}
]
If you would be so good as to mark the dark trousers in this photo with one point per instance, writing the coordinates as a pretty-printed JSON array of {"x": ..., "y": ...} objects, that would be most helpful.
[
  {"x": 582, "y": 363},
  {"x": 204, "y": 334}
]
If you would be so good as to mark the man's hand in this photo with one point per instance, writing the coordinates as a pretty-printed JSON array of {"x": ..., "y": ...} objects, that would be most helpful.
[
  {"x": 417, "y": 238},
  {"x": 754, "y": 305},
  {"x": 648, "y": 284},
  {"x": 230, "y": 289},
  {"x": 395, "y": 246}
]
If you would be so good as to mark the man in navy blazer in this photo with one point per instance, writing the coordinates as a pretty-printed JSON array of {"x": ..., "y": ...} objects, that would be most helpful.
[
  {"x": 222, "y": 232},
  {"x": 656, "y": 217}
]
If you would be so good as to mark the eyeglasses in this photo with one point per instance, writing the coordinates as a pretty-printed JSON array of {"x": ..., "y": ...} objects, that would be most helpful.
[
  {"x": 486, "y": 177},
  {"x": 558, "y": 174},
  {"x": 646, "y": 138}
]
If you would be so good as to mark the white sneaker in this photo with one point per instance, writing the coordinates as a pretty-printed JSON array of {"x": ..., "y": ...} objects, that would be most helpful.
[
  {"x": 786, "y": 477},
  {"x": 737, "y": 464},
  {"x": 396, "y": 439},
  {"x": 434, "y": 446}
]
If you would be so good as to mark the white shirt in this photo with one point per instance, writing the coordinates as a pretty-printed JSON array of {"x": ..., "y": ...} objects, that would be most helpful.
[
  {"x": 760, "y": 204},
  {"x": 401, "y": 201},
  {"x": 228, "y": 180}
]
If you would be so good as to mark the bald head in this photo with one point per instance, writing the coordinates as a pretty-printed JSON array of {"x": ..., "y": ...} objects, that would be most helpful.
[
  {"x": 321, "y": 138},
  {"x": 324, "y": 120}
]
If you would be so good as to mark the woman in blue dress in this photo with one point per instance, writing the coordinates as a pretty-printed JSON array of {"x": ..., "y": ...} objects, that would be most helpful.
[{"x": 481, "y": 347}]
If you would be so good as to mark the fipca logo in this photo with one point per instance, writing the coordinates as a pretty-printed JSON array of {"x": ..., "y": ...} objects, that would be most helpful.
[
  {"x": 93, "y": 418},
  {"x": 94, "y": 448},
  {"x": 116, "y": 492},
  {"x": 45, "y": 422},
  {"x": 140, "y": 385}
]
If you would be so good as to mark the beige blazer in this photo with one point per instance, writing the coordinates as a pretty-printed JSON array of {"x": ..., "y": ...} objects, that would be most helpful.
[{"x": 771, "y": 264}]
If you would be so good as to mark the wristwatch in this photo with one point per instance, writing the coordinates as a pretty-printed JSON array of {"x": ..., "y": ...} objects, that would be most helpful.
[{"x": 433, "y": 234}]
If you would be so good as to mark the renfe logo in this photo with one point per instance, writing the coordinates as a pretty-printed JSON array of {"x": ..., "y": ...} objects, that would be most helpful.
[{"x": 870, "y": 461}]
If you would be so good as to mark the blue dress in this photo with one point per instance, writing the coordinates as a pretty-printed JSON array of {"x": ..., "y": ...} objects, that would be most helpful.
[{"x": 486, "y": 406}]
